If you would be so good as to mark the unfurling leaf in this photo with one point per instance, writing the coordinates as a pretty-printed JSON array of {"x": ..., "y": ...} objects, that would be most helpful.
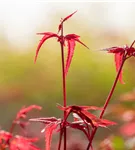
[{"x": 66, "y": 18}]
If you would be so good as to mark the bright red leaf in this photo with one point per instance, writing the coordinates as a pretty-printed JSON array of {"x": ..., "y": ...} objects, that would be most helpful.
[
  {"x": 5, "y": 135},
  {"x": 71, "y": 39},
  {"x": 118, "y": 58},
  {"x": 22, "y": 143},
  {"x": 121, "y": 54},
  {"x": 48, "y": 134},
  {"x": 46, "y": 36},
  {"x": 118, "y": 62},
  {"x": 22, "y": 113},
  {"x": 71, "y": 46},
  {"x": 63, "y": 20},
  {"x": 51, "y": 123}
]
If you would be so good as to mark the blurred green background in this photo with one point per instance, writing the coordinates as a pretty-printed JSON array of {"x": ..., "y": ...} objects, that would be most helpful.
[{"x": 92, "y": 72}]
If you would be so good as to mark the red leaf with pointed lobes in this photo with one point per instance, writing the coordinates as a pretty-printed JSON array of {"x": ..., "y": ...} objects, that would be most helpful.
[
  {"x": 21, "y": 143},
  {"x": 91, "y": 108},
  {"x": 96, "y": 121},
  {"x": 5, "y": 136},
  {"x": 46, "y": 36},
  {"x": 81, "y": 112},
  {"x": 81, "y": 42},
  {"x": 48, "y": 134},
  {"x": 79, "y": 126},
  {"x": 66, "y": 18},
  {"x": 71, "y": 36},
  {"x": 76, "y": 38},
  {"x": 71, "y": 39},
  {"x": 22, "y": 113},
  {"x": 115, "y": 49},
  {"x": 118, "y": 62},
  {"x": 71, "y": 46},
  {"x": 118, "y": 57},
  {"x": 78, "y": 108},
  {"x": 45, "y": 120},
  {"x": 105, "y": 123},
  {"x": 45, "y": 33}
]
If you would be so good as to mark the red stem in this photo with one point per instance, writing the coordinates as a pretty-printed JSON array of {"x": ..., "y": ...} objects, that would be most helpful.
[
  {"x": 64, "y": 82},
  {"x": 107, "y": 100},
  {"x": 60, "y": 139}
]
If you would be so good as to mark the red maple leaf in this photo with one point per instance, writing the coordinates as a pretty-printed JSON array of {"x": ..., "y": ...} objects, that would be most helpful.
[
  {"x": 5, "y": 135},
  {"x": 63, "y": 20},
  {"x": 71, "y": 40},
  {"x": 51, "y": 124},
  {"x": 87, "y": 117},
  {"x": 4, "y": 138},
  {"x": 121, "y": 53},
  {"x": 118, "y": 62},
  {"x": 48, "y": 134},
  {"x": 22, "y": 143},
  {"x": 23, "y": 112}
]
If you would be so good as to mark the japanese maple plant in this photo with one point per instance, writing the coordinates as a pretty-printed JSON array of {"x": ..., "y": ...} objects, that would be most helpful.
[{"x": 83, "y": 120}]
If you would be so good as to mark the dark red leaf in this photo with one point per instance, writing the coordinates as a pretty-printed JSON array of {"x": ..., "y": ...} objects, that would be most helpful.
[
  {"x": 90, "y": 108},
  {"x": 78, "y": 108},
  {"x": 71, "y": 36},
  {"x": 66, "y": 18},
  {"x": 96, "y": 121},
  {"x": 118, "y": 62},
  {"x": 66, "y": 109},
  {"x": 79, "y": 126},
  {"x": 46, "y": 36}
]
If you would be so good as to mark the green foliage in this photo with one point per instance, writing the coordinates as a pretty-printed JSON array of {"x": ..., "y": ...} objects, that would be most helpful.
[{"x": 118, "y": 143}]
